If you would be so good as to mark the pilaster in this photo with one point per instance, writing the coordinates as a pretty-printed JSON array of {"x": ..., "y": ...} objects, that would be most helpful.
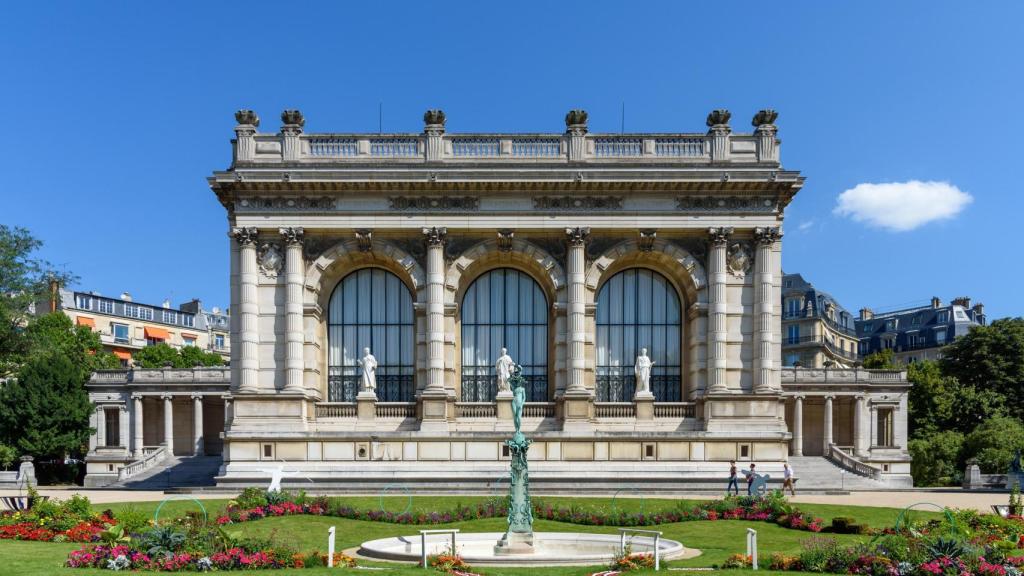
[
  {"x": 198, "y": 440},
  {"x": 718, "y": 308},
  {"x": 292, "y": 122},
  {"x": 137, "y": 436},
  {"x": 860, "y": 438},
  {"x": 827, "y": 423},
  {"x": 765, "y": 375},
  {"x": 576, "y": 132},
  {"x": 169, "y": 423},
  {"x": 294, "y": 276},
  {"x": 578, "y": 400},
  {"x": 245, "y": 143},
  {"x": 798, "y": 426},
  {"x": 718, "y": 133},
  {"x": 249, "y": 329},
  {"x": 434, "y": 397},
  {"x": 433, "y": 130}
]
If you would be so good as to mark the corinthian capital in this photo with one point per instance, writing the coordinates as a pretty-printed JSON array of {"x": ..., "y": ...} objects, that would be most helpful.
[
  {"x": 720, "y": 235},
  {"x": 245, "y": 235},
  {"x": 577, "y": 236},
  {"x": 292, "y": 235},
  {"x": 434, "y": 236},
  {"x": 767, "y": 236}
]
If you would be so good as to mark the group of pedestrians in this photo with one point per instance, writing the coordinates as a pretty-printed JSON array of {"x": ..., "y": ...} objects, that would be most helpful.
[{"x": 788, "y": 481}]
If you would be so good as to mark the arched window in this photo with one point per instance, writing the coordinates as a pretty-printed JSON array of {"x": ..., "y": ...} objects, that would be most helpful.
[
  {"x": 504, "y": 308},
  {"x": 371, "y": 308},
  {"x": 638, "y": 308}
]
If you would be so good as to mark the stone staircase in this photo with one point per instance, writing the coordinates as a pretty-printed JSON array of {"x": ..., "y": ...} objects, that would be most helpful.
[
  {"x": 818, "y": 473},
  {"x": 175, "y": 472}
]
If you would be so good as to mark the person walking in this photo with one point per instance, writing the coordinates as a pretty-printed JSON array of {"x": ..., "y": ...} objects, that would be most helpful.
[
  {"x": 750, "y": 479},
  {"x": 787, "y": 479},
  {"x": 734, "y": 483}
]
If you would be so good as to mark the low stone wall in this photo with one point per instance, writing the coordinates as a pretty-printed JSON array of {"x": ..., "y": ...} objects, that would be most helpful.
[{"x": 24, "y": 475}]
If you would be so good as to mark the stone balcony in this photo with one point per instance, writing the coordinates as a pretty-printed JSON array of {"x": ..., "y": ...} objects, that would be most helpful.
[
  {"x": 842, "y": 377},
  {"x": 156, "y": 376}
]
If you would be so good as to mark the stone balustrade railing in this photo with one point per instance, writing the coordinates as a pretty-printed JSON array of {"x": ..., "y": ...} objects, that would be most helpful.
[
  {"x": 396, "y": 409},
  {"x": 615, "y": 410},
  {"x": 539, "y": 410},
  {"x": 842, "y": 376},
  {"x": 335, "y": 410},
  {"x": 719, "y": 145},
  {"x": 151, "y": 459},
  {"x": 211, "y": 375},
  {"x": 675, "y": 409},
  {"x": 847, "y": 461},
  {"x": 475, "y": 410}
]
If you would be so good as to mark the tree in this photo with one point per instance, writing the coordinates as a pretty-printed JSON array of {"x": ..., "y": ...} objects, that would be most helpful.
[
  {"x": 938, "y": 402},
  {"x": 991, "y": 358},
  {"x": 45, "y": 410},
  {"x": 24, "y": 280},
  {"x": 56, "y": 333},
  {"x": 881, "y": 360},
  {"x": 993, "y": 443},
  {"x": 158, "y": 356},
  {"x": 192, "y": 356},
  {"x": 936, "y": 458}
]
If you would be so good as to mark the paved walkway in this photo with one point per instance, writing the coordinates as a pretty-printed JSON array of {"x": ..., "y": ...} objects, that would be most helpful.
[{"x": 981, "y": 501}]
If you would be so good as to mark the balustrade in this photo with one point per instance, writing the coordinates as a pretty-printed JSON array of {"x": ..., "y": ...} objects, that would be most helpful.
[
  {"x": 336, "y": 410},
  {"x": 537, "y": 147},
  {"x": 539, "y": 410},
  {"x": 675, "y": 409},
  {"x": 679, "y": 147},
  {"x": 475, "y": 410},
  {"x": 615, "y": 409},
  {"x": 396, "y": 409},
  {"x": 327, "y": 147},
  {"x": 476, "y": 147}
]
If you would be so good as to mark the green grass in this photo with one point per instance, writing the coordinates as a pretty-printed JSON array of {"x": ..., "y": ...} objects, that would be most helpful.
[{"x": 717, "y": 539}]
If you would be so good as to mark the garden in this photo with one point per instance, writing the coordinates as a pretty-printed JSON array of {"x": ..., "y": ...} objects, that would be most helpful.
[{"x": 287, "y": 532}]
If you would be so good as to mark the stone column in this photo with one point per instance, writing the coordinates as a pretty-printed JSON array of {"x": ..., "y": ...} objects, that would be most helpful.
[
  {"x": 577, "y": 401},
  {"x": 249, "y": 329},
  {"x": 198, "y": 441},
  {"x": 94, "y": 437},
  {"x": 873, "y": 438},
  {"x": 859, "y": 436},
  {"x": 433, "y": 129},
  {"x": 227, "y": 411},
  {"x": 235, "y": 319},
  {"x": 718, "y": 133},
  {"x": 169, "y": 423},
  {"x": 828, "y": 423},
  {"x": 576, "y": 131},
  {"x": 764, "y": 305},
  {"x": 434, "y": 395},
  {"x": 101, "y": 427},
  {"x": 767, "y": 148},
  {"x": 798, "y": 426},
  {"x": 245, "y": 144},
  {"x": 717, "y": 328},
  {"x": 137, "y": 437},
  {"x": 291, "y": 126},
  {"x": 293, "y": 309},
  {"x": 123, "y": 439},
  {"x": 899, "y": 424}
]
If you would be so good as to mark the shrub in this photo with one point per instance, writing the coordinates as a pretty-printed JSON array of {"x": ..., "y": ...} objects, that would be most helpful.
[
  {"x": 252, "y": 498},
  {"x": 162, "y": 541},
  {"x": 132, "y": 519}
]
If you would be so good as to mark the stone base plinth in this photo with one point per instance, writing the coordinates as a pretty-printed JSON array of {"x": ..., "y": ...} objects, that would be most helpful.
[
  {"x": 644, "y": 406},
  {"x": 435, "y": 411},
  {"x": 261, "y": 412},
  {"x": 749, "y": 413},
  {"x": 578, "y": 411},
  {"x": 513, "y": 543}
]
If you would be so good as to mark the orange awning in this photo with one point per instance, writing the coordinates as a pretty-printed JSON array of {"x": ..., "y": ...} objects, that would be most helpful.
[
  {"x": 85, "y": 321},
  {"x": 158, "y": 333},
  {"x": 187, "y": 335},
  {"x": 122, "y": 354}
]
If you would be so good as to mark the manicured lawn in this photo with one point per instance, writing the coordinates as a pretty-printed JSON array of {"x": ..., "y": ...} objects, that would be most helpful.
[{"x": 717, "y": 539}]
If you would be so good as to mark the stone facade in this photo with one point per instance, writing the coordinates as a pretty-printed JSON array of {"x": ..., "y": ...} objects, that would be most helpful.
[
  {"x": 585, "y": 223},
  {"x": 817, "y": 332}
]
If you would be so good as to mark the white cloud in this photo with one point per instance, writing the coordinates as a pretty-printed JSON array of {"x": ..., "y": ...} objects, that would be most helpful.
[
  {"x": 805, "y": 225},
  {"x": 901, "y": 206}
]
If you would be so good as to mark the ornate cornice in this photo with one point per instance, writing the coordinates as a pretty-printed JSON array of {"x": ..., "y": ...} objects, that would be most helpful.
[
  {"x": 435, "y": 236},
  {"x": 245, "y": 235},
  {"x": 767, "y": 235},
  {"x": 577, "y": 236},
  {"x": 761, "y": 204},
  {"x": 577, "y": 203},
  {"x": 292, "y": 235},
  {"x": 720, "y": 235},
  {"x": 434, "y": 202}
]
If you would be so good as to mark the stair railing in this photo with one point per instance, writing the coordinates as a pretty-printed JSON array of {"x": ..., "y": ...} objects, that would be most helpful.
[
  {"x": 844, "y": 460},
  {"x": 141, "y": 465}
]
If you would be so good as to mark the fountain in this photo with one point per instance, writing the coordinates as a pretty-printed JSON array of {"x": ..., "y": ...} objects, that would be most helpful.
[{"x": 519, "y": 545}]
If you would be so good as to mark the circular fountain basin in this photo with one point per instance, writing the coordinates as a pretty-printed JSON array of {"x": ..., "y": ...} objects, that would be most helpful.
[{"x": 549, "y": 548}]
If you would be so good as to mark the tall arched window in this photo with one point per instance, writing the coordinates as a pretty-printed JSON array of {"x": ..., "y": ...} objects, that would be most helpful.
[
  {"x": 504, "y": 308},
  {"x": 371, "y": 308},
  {"x": 638, "y": 308}
]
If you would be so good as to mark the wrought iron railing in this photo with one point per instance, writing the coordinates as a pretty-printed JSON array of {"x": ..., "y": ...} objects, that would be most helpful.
[
  {"x": 390, "y": 387},
  {"x": 478, "y": 386},
  {"x": 613, "y": 387}
]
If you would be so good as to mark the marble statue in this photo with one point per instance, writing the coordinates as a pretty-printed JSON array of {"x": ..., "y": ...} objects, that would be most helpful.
[
  {"x": 504, "y": 367},
  {"x": 642, "y": 370},
  {"x": 369, "y": 364}
]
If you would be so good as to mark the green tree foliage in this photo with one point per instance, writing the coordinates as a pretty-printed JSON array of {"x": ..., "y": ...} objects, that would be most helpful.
[
  {"x": 939, "y": 402},
  {"x": 881, "y": 360},
  {"x": 56, "y": 333},
  {"x": 162, "y": 355},
  {"x": 991, "y": 358},
  {"x": 45, "y": 410},
  {"x": 7, "y": 456},
  {"x": 936, "y": 458},
  {"x": 994, "y": 442}
]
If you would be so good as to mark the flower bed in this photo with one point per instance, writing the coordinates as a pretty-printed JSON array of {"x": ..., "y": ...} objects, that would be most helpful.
[
  {"x": 772, "y": 508},
  {"x": 54, "y": 520},
  {"x": 123, "y": 557}
]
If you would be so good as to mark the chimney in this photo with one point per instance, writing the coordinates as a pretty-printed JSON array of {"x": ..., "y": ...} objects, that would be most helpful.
[
  {"x": 193, "y": 306},
  {"x": 979, "y": 309},
  {"x": 54, "y": 294},
  {"x": 126, "y": 297},
  {"x": 866, "y": 314},
  {"x": 936, "y": 303},
  {"x": 964, "y": 301}
]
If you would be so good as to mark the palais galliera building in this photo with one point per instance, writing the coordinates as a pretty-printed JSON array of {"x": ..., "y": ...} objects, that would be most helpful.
[{"x": 573, "y": 250}]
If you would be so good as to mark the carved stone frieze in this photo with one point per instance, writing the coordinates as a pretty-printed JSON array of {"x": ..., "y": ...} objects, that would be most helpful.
[
  {"x": 287, "y": 203},
  {"x": 761, "y": 204},
  {"x": 577, "y": 202},
  {"x": 270, "y": 259},
  {"x": 434, "y": 202},
  {"x": 738, "y": 259}
]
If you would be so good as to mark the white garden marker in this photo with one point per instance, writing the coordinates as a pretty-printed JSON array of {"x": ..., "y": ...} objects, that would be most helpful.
[
  {"x": 330, "y": 547},
  {"x": 752, "y": 547}
]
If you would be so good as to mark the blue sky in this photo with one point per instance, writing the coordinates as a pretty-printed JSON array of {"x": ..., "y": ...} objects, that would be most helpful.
[{"x": 116, "y": 112}]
